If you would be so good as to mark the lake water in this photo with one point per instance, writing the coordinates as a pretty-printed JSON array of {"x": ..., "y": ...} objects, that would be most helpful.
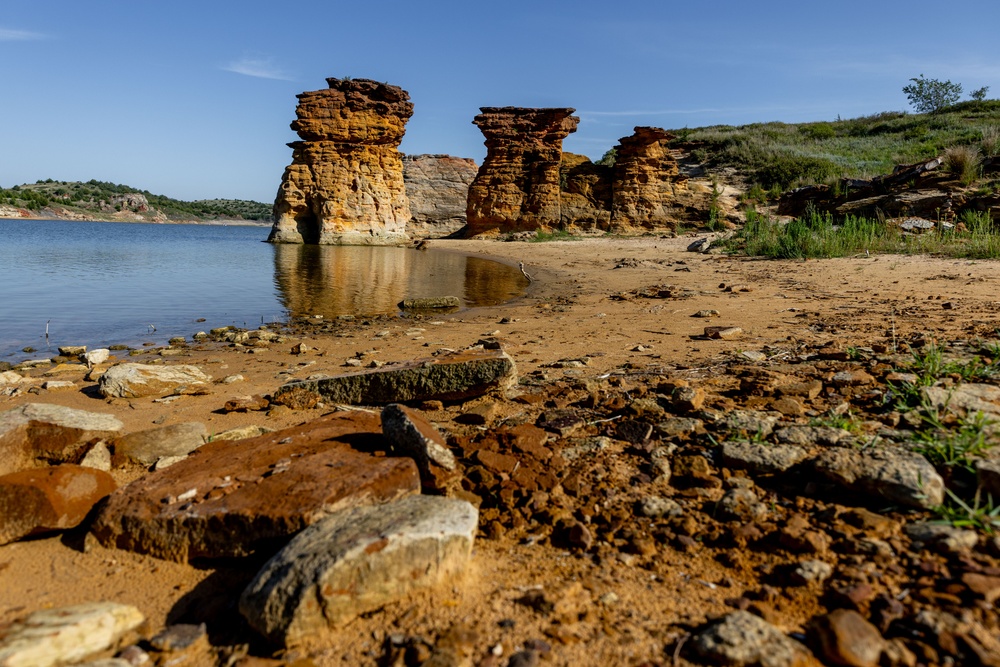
[{"x": 101, "y": 283}]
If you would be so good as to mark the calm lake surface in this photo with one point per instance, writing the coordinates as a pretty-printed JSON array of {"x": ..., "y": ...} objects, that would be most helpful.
[{"x": 101, "y": 283}]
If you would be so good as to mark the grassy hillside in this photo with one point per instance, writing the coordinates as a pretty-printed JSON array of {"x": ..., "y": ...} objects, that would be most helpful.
[
  {"x": 102, "y": 199},
  {"x": 778, "y": 156}
]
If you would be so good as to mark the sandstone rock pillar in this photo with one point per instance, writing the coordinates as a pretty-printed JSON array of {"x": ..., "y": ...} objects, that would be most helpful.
[
  {"x": 644, "y": 172},
  {"x": 345, "y": 183},
  {"x": 517, "y": 187}
]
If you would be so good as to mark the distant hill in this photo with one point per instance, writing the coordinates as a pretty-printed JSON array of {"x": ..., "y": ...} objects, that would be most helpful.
[
  {"x": 777, "y": 156},
  {"x": 100, "y": 200}
]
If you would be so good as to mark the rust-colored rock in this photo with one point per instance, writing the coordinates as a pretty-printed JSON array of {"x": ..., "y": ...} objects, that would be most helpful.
[
  {"x": 39, "y": 434},
  {"x": 345, "y": 184},
  {"x": 47, "y": 499},
  {"x": 235, "y": 498},
  {"x": 517, "y": 187},
  {"x": 645, "y": 174},
  {"x": 438, "y": 189},
  {"x": 521, "y": 187}
]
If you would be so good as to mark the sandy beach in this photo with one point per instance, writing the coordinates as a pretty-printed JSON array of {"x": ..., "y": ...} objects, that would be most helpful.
[{"x": 628, "y": 307}]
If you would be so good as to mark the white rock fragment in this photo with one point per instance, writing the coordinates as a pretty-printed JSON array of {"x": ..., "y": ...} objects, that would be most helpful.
[{"x": 67, "y": 635}]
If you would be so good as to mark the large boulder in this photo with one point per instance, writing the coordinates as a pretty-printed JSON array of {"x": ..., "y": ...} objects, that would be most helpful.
[
  {"x": 135, "y": 380},
  {"x": 42, "y": 500},
  {"x": 235, "y": 498},
  {"x": 38, "y": 434},
  {"x": 356, "y": 561}
]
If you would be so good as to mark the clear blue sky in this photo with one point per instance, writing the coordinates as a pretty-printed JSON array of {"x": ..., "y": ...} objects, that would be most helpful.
[{"x": 193, "y": 99}]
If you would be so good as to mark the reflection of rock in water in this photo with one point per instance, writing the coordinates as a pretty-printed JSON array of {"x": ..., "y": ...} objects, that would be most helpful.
[
  {"x": 488, "y": 283},
  {"x": 332, "y": 280},
  {"x": 342, "y": 280}
]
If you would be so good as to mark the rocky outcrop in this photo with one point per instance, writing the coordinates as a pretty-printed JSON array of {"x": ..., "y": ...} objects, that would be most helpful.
[
  {"x": 438, "y": 189},
  {"x": 517, "y": 187},
  {"x": 645, "y": 176},
  {"x": 345, "y": 184},
  {"x": 921, "y": 190},
  {"x": 585, "y": 199},
  {"x": 521, "y": 187}
]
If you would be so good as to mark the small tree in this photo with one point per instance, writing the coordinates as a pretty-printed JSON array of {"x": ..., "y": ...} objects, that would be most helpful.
[
  {"x": 609, "y": 157},
  {"x": 979, "y": 94},
  {"x": 930, "y": 95}
]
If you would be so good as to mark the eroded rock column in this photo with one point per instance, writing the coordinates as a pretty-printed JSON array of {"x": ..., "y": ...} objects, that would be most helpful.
[
  {"x": 345, "y": 183},
  {"x": 644, "y": 175},
  {"x": 517, "y": 187}
]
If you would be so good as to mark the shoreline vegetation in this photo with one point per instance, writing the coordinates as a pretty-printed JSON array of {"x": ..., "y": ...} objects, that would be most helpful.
[{"x": 100, "y": 201}]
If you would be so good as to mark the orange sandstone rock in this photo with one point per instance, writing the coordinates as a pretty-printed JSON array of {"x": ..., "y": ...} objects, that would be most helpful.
[
  {"x": 517, "y": 187},
  {"x": 644, "y": 179},
  {"x": 345, "y": 183}
]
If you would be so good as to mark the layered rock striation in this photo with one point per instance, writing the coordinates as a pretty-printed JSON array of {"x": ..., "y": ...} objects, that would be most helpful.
[
  {"x": 345, "y": 183},
  {"x": 438, "y": 189},
  {"x": 527, "y": 183},
  {"x": 517, "y": 187},
  {"x": 645, "y": 177}
]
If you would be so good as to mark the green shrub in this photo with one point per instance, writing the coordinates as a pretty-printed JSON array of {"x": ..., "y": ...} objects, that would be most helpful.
[
  {"x": 818, "y": 131},
  {"x": 931, "y": 95},
  {"x": 963, "y": 162}
]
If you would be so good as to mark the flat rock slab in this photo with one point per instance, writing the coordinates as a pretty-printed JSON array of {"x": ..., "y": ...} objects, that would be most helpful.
[
  {"x": 38, "y": 434},
  {"x": 148, "y": 447},
  {"x": 234, "y": 498},
  {"x": 64, "y": 636},
  {"x": 47, "y": 499},
  {"x": 135, "y": 380},
  {"x": 448, "y": 377},
  {"x": 357, "y": 561},
  {"x": 896, "y": 475}
]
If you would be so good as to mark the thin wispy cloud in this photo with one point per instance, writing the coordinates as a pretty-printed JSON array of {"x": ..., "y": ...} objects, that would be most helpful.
[
  {"x": 261, "y": 68},
  {"x": 12, "y": 35}
]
